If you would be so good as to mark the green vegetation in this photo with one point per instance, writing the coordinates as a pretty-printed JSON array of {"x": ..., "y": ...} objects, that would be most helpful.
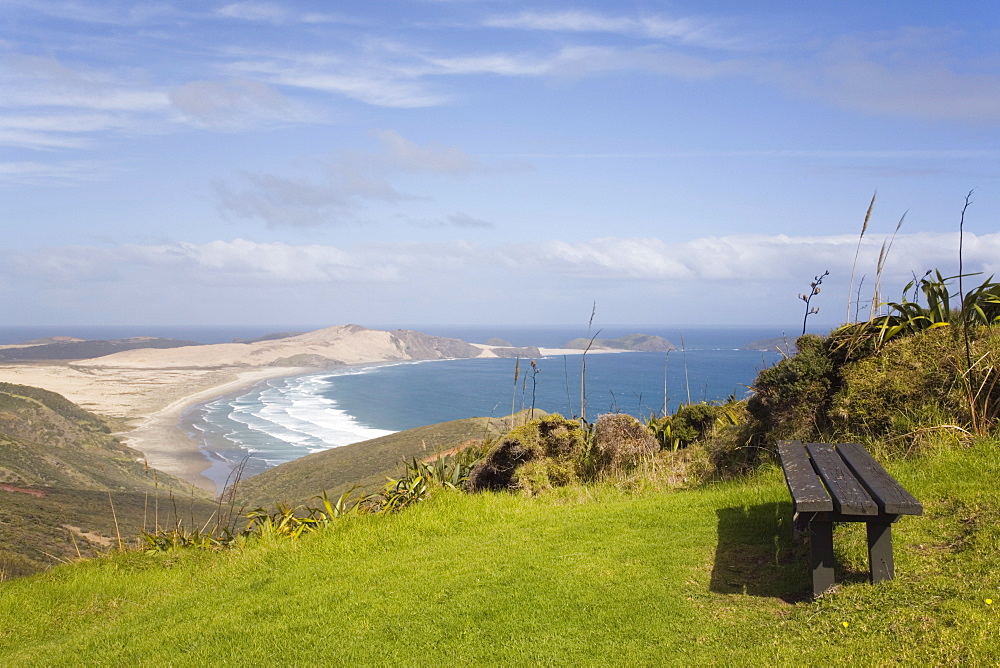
[
  {"x": 69, "y": 489},
  {"x": 668, "y": 542},
  {"x": 584, "y": 575},
  {"x": 366, "y": 465}
]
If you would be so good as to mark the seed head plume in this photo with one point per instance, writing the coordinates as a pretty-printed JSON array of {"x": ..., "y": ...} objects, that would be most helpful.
[{"x": 864, "y": 228}]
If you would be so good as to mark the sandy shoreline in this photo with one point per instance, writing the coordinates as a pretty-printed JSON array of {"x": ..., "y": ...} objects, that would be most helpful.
[
  {"x": 149, "y": 389},
  {"x": 150, "y": 399}
]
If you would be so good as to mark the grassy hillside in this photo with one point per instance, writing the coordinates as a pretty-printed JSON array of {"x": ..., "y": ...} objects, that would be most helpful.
[
  {"x": 47, "y": 440},
  {"x": 64, "y": 480},
  {"x": 586, "y": 563},
  {"x": 365, "y": 464},
  {"x": 586, "y": 576}
]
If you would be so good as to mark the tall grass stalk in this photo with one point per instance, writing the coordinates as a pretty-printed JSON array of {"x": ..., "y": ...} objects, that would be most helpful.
[
  {"x": 687, "y": 381},
  {"x": 517, "y": 373},
  {"x": 583, "y": 363},
  {"x": 864, "y": 228},
  {"x": 569, "y": 400},
  {"x": 534, "y": 387},
  {"x": 970, "y": 380},
  {"x": 961, "y": 288},
  {"x": 114, "y": 515},
  {"x": 880, "y": 266},
  {"x": 666, "y": 358},
  {"x": 857, "y": 299}
]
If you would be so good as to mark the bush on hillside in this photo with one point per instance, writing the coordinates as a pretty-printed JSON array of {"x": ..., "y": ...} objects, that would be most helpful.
[
  {"x": 898, "y": 395},
  {"x": 621, "y": 443},
  {"x": 790, "y": 398},
  {"x": 917, "y": 388},
  {"x": 546, "y": 452}
]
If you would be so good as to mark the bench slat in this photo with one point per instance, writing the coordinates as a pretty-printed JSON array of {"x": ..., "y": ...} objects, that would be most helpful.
[
  {"x": 849, "y": 496},
  {"x": 808, "y": 493},
  {"x": 890, "y": 496}
]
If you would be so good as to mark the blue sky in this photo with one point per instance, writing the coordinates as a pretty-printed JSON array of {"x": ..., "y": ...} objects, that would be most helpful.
[{"x": 480, "y": 162}]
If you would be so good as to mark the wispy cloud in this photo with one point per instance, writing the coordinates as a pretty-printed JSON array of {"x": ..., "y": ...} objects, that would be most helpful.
[
  {"x": 909, "y": 72},
  {"x": 235, "y": 104},
  {"x": 348, "y": 182},
  {"x": 686, "y": 30},
  {"x": 52, "y": 105},
  {"x": 272, "y": 13},
  {"x": 34, "y": 173},
  {"x": 100, "y": 13},
  {"x": 457, "y": 220},
  {"x": 42, "y": 81},
  {"x": 373, "y": 76}
]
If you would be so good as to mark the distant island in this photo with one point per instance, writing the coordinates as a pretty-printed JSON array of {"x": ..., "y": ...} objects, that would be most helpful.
[
  {"x": 498, "y": 342},
  {"x": 783, "y": 344},
  {"x": 635, "y": 342}
]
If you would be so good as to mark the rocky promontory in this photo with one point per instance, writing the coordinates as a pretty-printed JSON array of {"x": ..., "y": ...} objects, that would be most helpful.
[{"x": 634, "y": 342}]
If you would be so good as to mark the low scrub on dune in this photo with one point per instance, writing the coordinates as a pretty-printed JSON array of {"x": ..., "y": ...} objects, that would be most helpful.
[{"x": 554, "y": 452}]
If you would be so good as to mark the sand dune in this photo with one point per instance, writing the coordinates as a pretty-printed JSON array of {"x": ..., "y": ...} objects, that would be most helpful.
[
  {"x": 333, "y": 346},
  {"x": 150, "y": 388}
]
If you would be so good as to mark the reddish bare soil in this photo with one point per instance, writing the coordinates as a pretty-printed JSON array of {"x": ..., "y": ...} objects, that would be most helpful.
[{"x": 33, "y": 492}]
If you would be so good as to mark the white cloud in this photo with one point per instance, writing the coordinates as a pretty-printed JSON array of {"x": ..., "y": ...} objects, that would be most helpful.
[
  {"x": 717, "y": 279},
  {"x": 372, "y": 76},
  {"x": 264, "y": 262},
  {"x": 749, "y": 258},
  {"x": 732, "y": 260}
]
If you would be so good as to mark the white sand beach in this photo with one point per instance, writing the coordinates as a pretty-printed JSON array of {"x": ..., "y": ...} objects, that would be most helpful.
[
  {"x": 151, "y": 399},
  {"x": 150, "y": 388}
]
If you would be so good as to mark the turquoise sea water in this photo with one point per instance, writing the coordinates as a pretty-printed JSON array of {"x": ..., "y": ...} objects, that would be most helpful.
[{"x": 283, "y": 419}]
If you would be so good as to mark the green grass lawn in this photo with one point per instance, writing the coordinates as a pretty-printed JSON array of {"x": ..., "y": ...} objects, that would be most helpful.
[{"x": 589, "y": 576}]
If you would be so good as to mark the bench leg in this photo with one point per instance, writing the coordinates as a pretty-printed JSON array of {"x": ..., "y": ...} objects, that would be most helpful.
[
  {"x": 880, "y": 551},
  {"x": 821, "y": 553}
]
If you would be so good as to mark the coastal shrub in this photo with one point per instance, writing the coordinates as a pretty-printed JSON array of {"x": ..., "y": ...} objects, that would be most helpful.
[
  {"x": 916, "y": 387},
  {"x": 553, "y": 438},
  {"x": 620, "y": 443},
  {"x": 904, "y": 376},
  {"x": 791, "y": 397}
]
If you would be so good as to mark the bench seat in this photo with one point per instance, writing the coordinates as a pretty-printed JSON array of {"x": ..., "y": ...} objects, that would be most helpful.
[{"x": 843, "y": 483}]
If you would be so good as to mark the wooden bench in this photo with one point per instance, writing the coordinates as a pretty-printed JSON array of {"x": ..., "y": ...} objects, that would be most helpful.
[{"x": 843, "y": 483}]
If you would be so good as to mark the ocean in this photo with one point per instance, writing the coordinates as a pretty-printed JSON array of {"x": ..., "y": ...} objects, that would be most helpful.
[{"x": 283, "y": 419}]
